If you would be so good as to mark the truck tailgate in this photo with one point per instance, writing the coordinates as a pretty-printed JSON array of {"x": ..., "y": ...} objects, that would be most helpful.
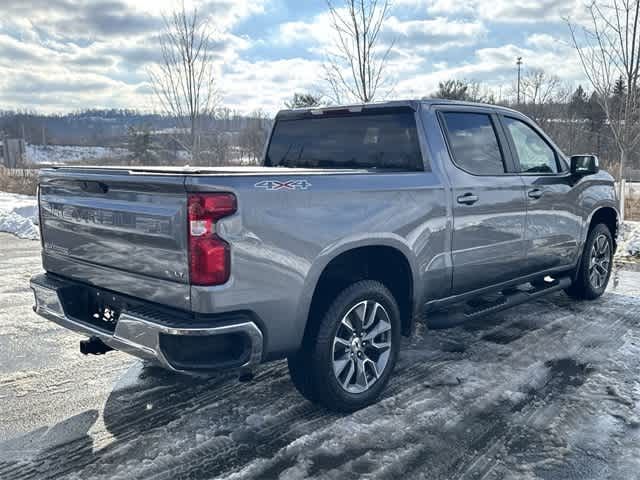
[{"x": 119, "y": 230}]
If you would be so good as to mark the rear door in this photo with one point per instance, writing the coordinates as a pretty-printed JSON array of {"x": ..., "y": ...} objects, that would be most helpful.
[
  {"x": 488, "y": 200},
  {"x": 553, "y": 217}
]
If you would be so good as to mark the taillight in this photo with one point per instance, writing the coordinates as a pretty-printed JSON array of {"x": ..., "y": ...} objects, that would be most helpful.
[{"x": 209, "y": 255}]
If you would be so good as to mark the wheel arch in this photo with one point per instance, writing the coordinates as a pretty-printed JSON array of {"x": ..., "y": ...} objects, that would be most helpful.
[
  {"x": 607, "y": 215},
  {"x": 333, "y": 270}
]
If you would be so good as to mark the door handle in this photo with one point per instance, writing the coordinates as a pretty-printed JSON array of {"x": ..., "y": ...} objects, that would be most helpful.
[
  {"x": 468, "y": 199},
  {"x": 535, "y": 193}
]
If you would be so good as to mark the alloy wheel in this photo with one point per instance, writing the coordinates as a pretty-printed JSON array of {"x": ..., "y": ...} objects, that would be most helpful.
[
  {"x": 599, "y": 261},
  {"x": 362, "y": 346}
]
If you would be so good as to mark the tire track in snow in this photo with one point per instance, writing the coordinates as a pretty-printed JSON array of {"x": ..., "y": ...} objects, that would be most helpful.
[
  {"x": 403, "y": 388},
  {"x": 510, "y": 430},
  {"x": 416, "y": 452},
  {"x": 414, "y": 392},
  {"x": 278, "y": 434}
]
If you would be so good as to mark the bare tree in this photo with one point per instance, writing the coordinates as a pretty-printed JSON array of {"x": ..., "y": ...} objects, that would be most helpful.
[
  {"x": 253, "y": 136},
  {"x": 184, "y": 82},
  {"x": 609, "y": 49},
  {"x": 540, "y": 91},
  {"x": 538, "y": 87},
  {"x": 356, "y": 66}
]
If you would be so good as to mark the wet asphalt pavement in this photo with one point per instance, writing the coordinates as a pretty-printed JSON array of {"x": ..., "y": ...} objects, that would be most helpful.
[{"x": 547, "y": 390}]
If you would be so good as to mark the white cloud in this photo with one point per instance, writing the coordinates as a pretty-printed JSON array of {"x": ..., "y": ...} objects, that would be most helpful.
[
  {"x": 265, "y": 85},
  {"x": 69, "y": 54},
  {"x": 545, "y": 41},
  {"x": 317, "y": 31},
  {"x": 434, "y": 34},
  {"x": 502, "y": 11},
  {"x": 495, "y": 67}
]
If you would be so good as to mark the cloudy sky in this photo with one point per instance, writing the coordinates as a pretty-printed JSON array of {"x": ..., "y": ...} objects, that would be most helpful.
[{"x": 62, "y": 55}]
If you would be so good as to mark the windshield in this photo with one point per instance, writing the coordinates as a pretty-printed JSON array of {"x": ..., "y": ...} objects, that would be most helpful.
[{"x": 361, "y": 140}]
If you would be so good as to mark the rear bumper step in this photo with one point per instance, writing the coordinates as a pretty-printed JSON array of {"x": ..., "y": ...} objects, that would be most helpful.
[
  {"x": 177, "y": 348},
  {"x": 457, "y": 315}
]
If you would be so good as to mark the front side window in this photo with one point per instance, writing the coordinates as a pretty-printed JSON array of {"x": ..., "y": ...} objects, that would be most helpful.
[
  {"x": 535, "y": 155},
  {"x": 376, "y": 140},
  {"x": 474, "y": 143}
]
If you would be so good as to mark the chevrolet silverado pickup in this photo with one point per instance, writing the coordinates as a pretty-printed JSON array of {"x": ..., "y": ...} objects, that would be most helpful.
[{"x": 360, "y": 221}]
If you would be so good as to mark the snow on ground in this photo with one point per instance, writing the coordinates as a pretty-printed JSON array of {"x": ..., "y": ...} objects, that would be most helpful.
[
  {"x": 56, "y": 154},
  {"x": 545, "y": 390},
  {"x": 19, "y": 215},
  {"x": 630, "y": 240}
]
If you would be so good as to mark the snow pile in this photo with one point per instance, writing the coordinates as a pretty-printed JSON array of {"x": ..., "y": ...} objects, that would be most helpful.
[
  {"x": 630, "y": 240},
  {"x": 56, "y": 154},
  {"x": 19, "y": 215}
]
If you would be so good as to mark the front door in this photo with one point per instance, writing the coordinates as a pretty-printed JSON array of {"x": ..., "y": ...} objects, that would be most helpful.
[
  {"x": 553, "y": 221},
  {"x": 488, "y": 200}
]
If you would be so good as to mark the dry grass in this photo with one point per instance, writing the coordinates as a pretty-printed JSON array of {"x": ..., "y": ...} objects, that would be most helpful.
[
  {"x": 632, "y": 208},
  {"x": 25, "y": 185}
]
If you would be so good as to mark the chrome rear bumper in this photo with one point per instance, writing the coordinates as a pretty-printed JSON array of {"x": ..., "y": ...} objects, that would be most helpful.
[{"x": 135, "y": 334}]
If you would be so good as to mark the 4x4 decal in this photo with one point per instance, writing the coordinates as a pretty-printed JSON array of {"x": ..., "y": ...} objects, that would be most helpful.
[{"x": 283, "y": 185}]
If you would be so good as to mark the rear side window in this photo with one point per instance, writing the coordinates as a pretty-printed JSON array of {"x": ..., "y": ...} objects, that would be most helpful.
[
  {"x": 535, "y": 155},
  {"x": 474, "y": 143},
  {"x": 362, "y": 140}
]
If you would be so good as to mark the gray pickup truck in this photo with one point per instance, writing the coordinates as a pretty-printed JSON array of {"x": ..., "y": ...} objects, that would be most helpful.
[{"x": 361, "y": 220}]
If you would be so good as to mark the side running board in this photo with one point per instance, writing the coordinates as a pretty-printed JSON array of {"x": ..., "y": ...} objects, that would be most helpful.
[{"x": 477, "y": 307}]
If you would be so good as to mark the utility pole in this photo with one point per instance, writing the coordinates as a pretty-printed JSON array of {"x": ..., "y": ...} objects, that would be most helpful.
[{"x": 519, "y": 64}]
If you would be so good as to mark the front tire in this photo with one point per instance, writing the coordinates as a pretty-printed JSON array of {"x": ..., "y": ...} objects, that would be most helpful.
[
  {"x": 595, "y": 265},
  {"x": 347, "y": 364}
]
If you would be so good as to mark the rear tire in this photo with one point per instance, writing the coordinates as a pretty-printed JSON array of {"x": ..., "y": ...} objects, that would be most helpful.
[
  {"x": 347, "y": 364},
  {"x": 595, "y": 265}
]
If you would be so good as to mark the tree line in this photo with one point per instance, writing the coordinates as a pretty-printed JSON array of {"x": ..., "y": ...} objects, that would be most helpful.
[{"x": 151, "y": 138}]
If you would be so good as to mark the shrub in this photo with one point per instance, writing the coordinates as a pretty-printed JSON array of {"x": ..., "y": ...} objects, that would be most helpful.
[{"x": 23, "y": 182}]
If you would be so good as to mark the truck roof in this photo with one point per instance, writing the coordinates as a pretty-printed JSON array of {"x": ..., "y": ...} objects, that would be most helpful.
[{"x": 413, "y": 104}]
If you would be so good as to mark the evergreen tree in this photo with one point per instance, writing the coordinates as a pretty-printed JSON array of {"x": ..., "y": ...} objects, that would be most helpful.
[
  {"x": 596, "y": 116},
  {"x": 453, "y": 90},
  {"x": 620, "y": 88},
  {"x": 579, "y": 103},
  {"x": 304, "y": 100},
  {"x": 139, "y": 144},
  {"x": 618, "y": 100}
]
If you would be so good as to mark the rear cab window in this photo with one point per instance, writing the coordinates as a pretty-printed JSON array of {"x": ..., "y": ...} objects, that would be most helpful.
[
  {"x": 473, "y": 141},
  {"x": 372, "y": 139}
]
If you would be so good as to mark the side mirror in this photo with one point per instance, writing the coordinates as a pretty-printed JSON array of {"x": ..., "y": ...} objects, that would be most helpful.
[{"x": 584, "y": 164}]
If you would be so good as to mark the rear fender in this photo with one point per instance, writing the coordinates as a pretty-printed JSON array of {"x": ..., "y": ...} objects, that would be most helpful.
[{"x": 364, "y": 240}]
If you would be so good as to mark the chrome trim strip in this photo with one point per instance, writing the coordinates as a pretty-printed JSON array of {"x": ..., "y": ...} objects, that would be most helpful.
[{"x": 140, "y": 336}]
